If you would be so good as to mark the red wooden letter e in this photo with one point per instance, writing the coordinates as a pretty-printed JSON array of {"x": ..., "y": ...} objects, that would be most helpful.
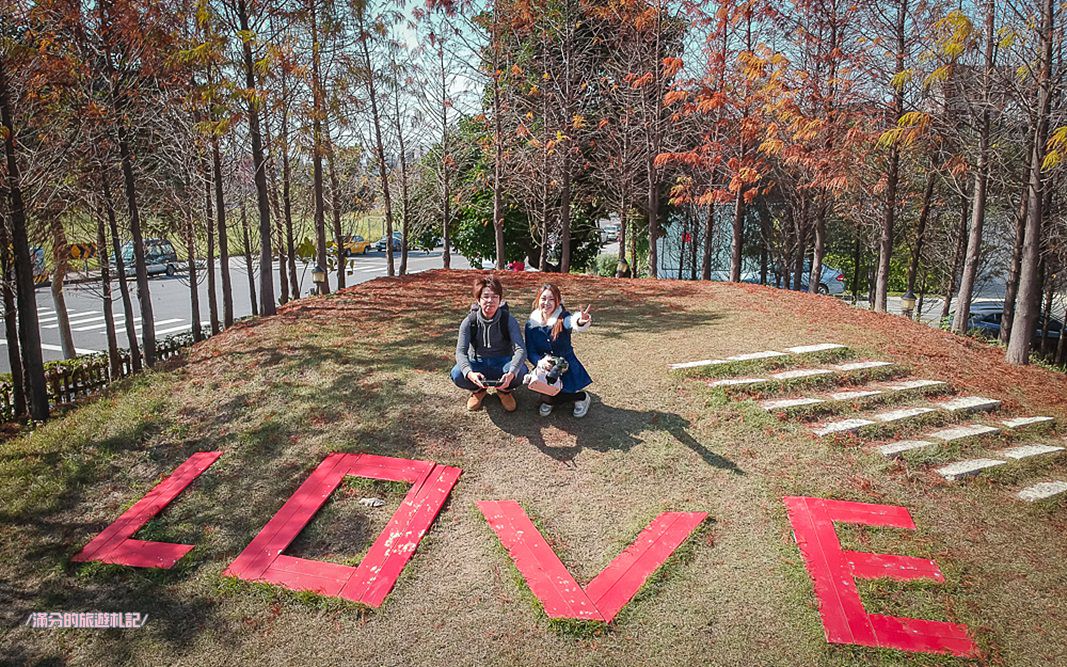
[
  {"x": 835, "y": 570},
  {"x": 263, "y": 560},
  {"x": 115, "y": 544}
]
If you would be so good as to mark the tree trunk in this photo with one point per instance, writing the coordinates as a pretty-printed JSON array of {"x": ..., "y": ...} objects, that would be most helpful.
[
  {"x": 1011, "y": 288},
  {"x": 212, "y": 297},
  {"x": 144, "y": 297},
  {"x": 957, "y": 258},
  {"x": 372, "y": 91},
  {"x": 920, "y": 232},
  {"x": 738, "y": 240},
  {"x": 1022, "y": 327},
  {"x": 29, "y": 333},
  {"x": 266, "y": 255},
  {"x": 885, "y": 239},
  {"x": 224, "y": 239},
  {"x": 11, "y": 331},
  {"x": 248, "y": 261},
  {"x": 61, "y": 260},
  {"x": 405, "y": 200},
  {"x": 120, "y": 271},
  {"x": 446, "y": 171},
  {"x": 287, "y": 199},
  {"x": 113, "y": 358},
  {"x": 815, "y": 279},
  {"x": 981, "y": 179},
  {"x": 335, "y": 208},
  {"x": 275, "y": 208},
  {"x": 709, "y": 232},
  {"x": 194, "y": 291}
]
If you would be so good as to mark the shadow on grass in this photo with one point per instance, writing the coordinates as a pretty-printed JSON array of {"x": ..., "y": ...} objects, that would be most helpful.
[{"x": 605, "y": 428}]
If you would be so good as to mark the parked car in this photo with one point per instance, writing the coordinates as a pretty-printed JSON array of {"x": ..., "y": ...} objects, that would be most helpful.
[
  {"x": 159, "y": 257},
  {"x": 832, "y": 280},
  {"x": 984, "y": 319},
  {"x": 610, "y": 232},
  {"x": 398, "y": 242},
  {"x": 353, "y": 245}
]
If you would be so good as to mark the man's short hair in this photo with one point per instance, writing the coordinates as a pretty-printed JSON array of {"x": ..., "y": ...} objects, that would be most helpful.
[{"x": 490, "y": 281}]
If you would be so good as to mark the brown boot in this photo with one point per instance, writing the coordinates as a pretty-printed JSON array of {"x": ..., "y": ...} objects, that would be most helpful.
[
  {"x": 475, "y": 400},
  {"x": 507, "y": 400}
]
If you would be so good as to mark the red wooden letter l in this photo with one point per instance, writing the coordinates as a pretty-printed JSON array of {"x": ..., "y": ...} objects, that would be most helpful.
[{"x": 115, "y": 544}]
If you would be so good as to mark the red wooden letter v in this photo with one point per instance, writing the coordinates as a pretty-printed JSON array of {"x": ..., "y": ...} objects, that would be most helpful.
[
  {"x": 616, "y": 585},
  {"x": 115, "y": 544}
]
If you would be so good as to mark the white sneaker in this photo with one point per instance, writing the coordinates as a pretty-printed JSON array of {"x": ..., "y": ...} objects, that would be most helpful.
[
  {"x": 545, "y": 409},
  {"x": 582, "y": 407}
]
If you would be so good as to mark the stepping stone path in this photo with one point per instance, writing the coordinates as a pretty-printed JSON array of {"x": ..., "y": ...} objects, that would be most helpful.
[
  {"x": 901, "y": 414},
  {"x": 960, "y": 432},
  {"x": 767, "y": 354},
  {"x": 1026, "y": 451},
  {"x": 1019, "y": 422},
  {"x": 895, "y": 449},
  {"x": 970, "y": 468},
  {"x": 969, "y": 404},
  {"x": 800, "y": 373},
  {"x": 850, "y": 395},
  {"x": 843, "y": 426},
  {"x": 1042, "y": 490}
]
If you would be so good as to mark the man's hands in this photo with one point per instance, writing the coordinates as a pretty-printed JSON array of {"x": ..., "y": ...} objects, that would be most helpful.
[{"x": 477, "y": 378}]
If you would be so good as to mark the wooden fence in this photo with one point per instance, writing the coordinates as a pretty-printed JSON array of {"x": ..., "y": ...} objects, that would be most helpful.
[{"x": 70, "y": 381}]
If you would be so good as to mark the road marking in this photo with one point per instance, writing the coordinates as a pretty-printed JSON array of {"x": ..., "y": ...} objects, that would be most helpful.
[
  {"x": 56, "y": 348},
  {"x": 82, "y": 319},
  {"x": 70, "y": 313},
  {"x": 160, "y": 323},
  {"x": 184, "y": 327},
  {"x": 119, "y": 321}
]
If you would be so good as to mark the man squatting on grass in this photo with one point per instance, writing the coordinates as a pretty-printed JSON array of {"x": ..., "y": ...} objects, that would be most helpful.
[{"x": 490, "y": 348}]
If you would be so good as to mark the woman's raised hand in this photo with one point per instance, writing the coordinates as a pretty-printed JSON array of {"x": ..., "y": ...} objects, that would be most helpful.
[{"x": 584, "y": 316}]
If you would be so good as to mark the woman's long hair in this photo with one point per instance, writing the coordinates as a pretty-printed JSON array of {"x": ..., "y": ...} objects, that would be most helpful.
[{"x": 558, "y": 326}]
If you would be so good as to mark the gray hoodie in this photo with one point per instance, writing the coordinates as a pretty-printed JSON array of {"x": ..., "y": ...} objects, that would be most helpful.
[{"x": 489, "y": 339}]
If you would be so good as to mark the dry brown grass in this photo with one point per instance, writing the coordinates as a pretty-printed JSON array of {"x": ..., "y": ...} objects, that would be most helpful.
[{"x": 366, "y": 370}]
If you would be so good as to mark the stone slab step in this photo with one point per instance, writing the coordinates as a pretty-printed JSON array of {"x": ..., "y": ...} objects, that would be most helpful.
[
  {"x": 901, "y": 414},
  {"x": 1019, "y": 422},
  {"x": 819, "y": 347},
  {"x": 969, "y": 468},
  {"x": 895, "y": 449},
  {"x": 753, "y": 356},
  {"x": 959, "y": 432},
  {"x": 801, "y": 373},
  {"x": 860, "y": 365},
  {"x": 735, "y": 382},
  {"x": 969, "y": 404},
  {"x": 914, "y": 384},
  {"x": 766, "y": 354},
  {"x": 841, "y": 426},
  {"x": 854, "y": 395},
  {"x": 1042, "y": 490},
  {"x": 698, "y": 364},
  {"x": 787, "y": 403},
  {"x": 1026, "y": 451}
]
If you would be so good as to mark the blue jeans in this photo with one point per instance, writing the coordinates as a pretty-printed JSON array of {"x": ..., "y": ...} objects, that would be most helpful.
[{"x": 491, "y": 367}]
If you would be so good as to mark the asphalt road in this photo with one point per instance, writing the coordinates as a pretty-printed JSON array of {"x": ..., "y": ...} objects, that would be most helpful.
[{"x": 171, "y": 303}]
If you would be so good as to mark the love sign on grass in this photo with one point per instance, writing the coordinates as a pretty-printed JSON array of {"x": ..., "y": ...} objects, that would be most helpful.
[{"x": 833, "y": 569}]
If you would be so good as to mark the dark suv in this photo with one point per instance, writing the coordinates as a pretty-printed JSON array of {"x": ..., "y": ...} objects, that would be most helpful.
[{"x": 159, "y": 257}]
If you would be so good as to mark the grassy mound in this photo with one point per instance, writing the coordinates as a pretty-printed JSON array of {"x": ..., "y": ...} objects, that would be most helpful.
[{"x": 365, "y": 370}]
